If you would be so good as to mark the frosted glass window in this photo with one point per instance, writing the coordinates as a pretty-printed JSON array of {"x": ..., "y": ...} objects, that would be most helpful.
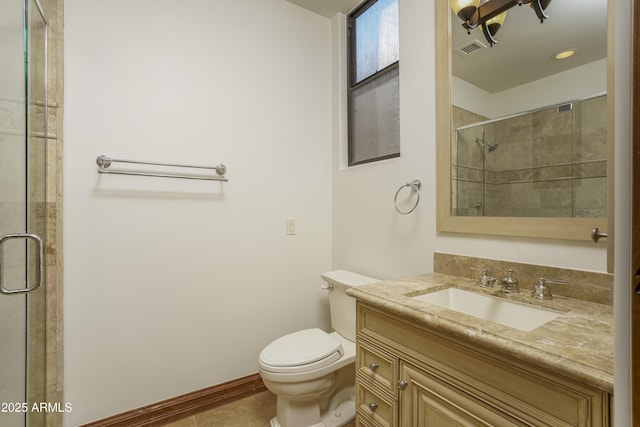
[
  {"x": 374, "y": 88},
  {"x": 376, "y": 37},
  {"x": 375, "y": 119}
]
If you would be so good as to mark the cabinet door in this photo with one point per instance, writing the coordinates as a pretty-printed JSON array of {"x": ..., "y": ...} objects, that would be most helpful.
[{"x": 431, "y": 401}]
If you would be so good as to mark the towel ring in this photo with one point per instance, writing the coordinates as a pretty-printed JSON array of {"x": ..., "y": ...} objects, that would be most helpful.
[{"x": 416, "y": 185}]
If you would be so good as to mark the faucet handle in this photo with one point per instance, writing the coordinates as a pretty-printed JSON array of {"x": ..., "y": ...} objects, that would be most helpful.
[{"x": 542, "y": 291}]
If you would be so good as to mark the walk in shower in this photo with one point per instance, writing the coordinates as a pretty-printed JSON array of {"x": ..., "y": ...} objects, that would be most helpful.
[
  {"x": 23, "y": 213},
  {"x": 547, "y": 163}
]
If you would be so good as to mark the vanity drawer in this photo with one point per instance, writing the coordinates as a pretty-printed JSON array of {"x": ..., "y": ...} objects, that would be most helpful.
[
  {"x": 378, "y": 367},
  {"x": 375, "y": 408}
]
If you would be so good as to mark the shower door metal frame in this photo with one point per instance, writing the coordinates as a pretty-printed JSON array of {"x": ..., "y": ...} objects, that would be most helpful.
[{"x": 33, "y": 219}]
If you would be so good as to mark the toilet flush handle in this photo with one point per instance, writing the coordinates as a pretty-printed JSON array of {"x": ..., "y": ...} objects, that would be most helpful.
[{"x": 328, "y": 287}]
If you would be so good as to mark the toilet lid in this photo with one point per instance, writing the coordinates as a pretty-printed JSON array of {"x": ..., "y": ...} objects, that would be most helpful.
[{"x": 301, "y": 351}]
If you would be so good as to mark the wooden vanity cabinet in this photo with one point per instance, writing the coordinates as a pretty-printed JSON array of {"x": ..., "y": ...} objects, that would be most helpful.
[{"x": 408, "y": 375}]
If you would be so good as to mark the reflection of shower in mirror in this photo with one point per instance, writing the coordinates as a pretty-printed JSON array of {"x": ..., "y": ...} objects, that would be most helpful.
[
  {"x": 491, "y": 147},
  {"x": 543, "y": 163}
]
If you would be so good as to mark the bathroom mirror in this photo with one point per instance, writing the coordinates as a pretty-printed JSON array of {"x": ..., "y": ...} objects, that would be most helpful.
[{"x": 523, "y": 138}]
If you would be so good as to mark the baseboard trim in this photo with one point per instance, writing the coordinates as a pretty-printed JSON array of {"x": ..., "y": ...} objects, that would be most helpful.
[{"x": 161, "y": 413}]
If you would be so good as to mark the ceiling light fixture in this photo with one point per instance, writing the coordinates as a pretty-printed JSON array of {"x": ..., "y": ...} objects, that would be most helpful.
[
  {"x": 564, "y": 54},
  {"x": 490, "y": 15}
]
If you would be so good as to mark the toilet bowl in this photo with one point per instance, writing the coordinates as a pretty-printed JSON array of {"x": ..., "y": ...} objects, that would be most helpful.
[{"x": 312, "y": 372}]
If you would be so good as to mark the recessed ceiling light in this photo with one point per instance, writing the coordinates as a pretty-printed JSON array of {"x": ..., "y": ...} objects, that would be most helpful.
[{"x": 564, "y": 54}]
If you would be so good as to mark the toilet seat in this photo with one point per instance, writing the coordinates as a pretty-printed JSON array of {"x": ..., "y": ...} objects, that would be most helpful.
[{"x": 301, "y": 351}]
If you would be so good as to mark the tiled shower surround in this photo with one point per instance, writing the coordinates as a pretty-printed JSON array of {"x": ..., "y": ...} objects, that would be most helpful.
[
  {"x": 54, "y": 10},
  {"x": 45, "y": 201},
  {"x": 548, "y": 163},
  {"x": 45, "y": 323}
]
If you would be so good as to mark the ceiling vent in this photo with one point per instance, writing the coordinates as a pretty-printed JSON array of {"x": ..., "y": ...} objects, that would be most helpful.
[{"x": 471, "y": 47}]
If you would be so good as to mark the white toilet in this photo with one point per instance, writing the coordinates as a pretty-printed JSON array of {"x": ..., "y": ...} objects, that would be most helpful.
[{"x": 312, "y": 372}]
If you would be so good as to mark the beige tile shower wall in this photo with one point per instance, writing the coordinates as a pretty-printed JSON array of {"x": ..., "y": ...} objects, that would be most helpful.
[
  {"x": 43, "y": 197},
  {"x": 37, "y": 218},
  {"x": 53, "y": 10},
  {"x": 467, "y": 165},
  {"x": 590, "y": 154},
  {"x": 547, "y": 164},
  {"x": 585, "y": 285}
]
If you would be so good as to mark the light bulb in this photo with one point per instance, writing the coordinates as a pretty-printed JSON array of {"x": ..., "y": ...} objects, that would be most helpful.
[
  {"x": 465, "y": 9},
  {"x": 497, "y": 20}
]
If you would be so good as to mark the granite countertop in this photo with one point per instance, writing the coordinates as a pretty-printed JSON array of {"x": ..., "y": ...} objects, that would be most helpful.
[{"x": 577, "y": 344}]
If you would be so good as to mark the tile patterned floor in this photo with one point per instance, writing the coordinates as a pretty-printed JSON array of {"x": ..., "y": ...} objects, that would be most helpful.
[{"x": 253, "y": 411}]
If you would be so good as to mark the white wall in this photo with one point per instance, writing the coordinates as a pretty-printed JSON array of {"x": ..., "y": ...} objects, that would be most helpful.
[
  {"x": 172, "y": 286},
  {"x": 368, "y": 235},
  {"x": 578, "y": 83}
]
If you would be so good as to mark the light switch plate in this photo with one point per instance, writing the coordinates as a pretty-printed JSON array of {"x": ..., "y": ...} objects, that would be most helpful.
[{"x": 291, "y": 226}]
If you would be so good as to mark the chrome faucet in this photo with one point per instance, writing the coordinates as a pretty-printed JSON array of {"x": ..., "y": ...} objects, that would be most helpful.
[
  {"x": 542, "y": 291},
  {"x": 510, "y": 283},
  {"x": 484, "y": 281}
]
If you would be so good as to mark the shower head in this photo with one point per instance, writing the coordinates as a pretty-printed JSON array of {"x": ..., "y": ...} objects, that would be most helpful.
[{"x": 491, "y": 147}]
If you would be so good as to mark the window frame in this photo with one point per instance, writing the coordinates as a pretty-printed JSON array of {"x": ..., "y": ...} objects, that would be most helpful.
[{"x": 352, "y": 86}]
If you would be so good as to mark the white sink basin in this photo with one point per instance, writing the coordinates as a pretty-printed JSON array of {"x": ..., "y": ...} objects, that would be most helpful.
[{"x": 508, "y": 313}]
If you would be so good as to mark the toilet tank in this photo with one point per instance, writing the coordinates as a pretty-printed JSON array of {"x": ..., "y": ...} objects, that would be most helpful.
[{"x": 342, "y": 306}]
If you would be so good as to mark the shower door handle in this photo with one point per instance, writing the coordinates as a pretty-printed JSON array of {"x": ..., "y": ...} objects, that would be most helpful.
[{"x": 39, "y": 263}]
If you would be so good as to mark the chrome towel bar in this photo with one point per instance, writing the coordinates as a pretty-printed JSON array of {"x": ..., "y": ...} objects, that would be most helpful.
[{"x": 104, "y": 161}]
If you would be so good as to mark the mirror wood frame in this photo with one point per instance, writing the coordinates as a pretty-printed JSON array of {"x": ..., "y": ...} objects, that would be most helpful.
[{"x": 554, "y": 228}]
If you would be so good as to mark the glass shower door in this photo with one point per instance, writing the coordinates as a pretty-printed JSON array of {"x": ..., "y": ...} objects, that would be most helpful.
[{"x": 23, "y": 118}]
